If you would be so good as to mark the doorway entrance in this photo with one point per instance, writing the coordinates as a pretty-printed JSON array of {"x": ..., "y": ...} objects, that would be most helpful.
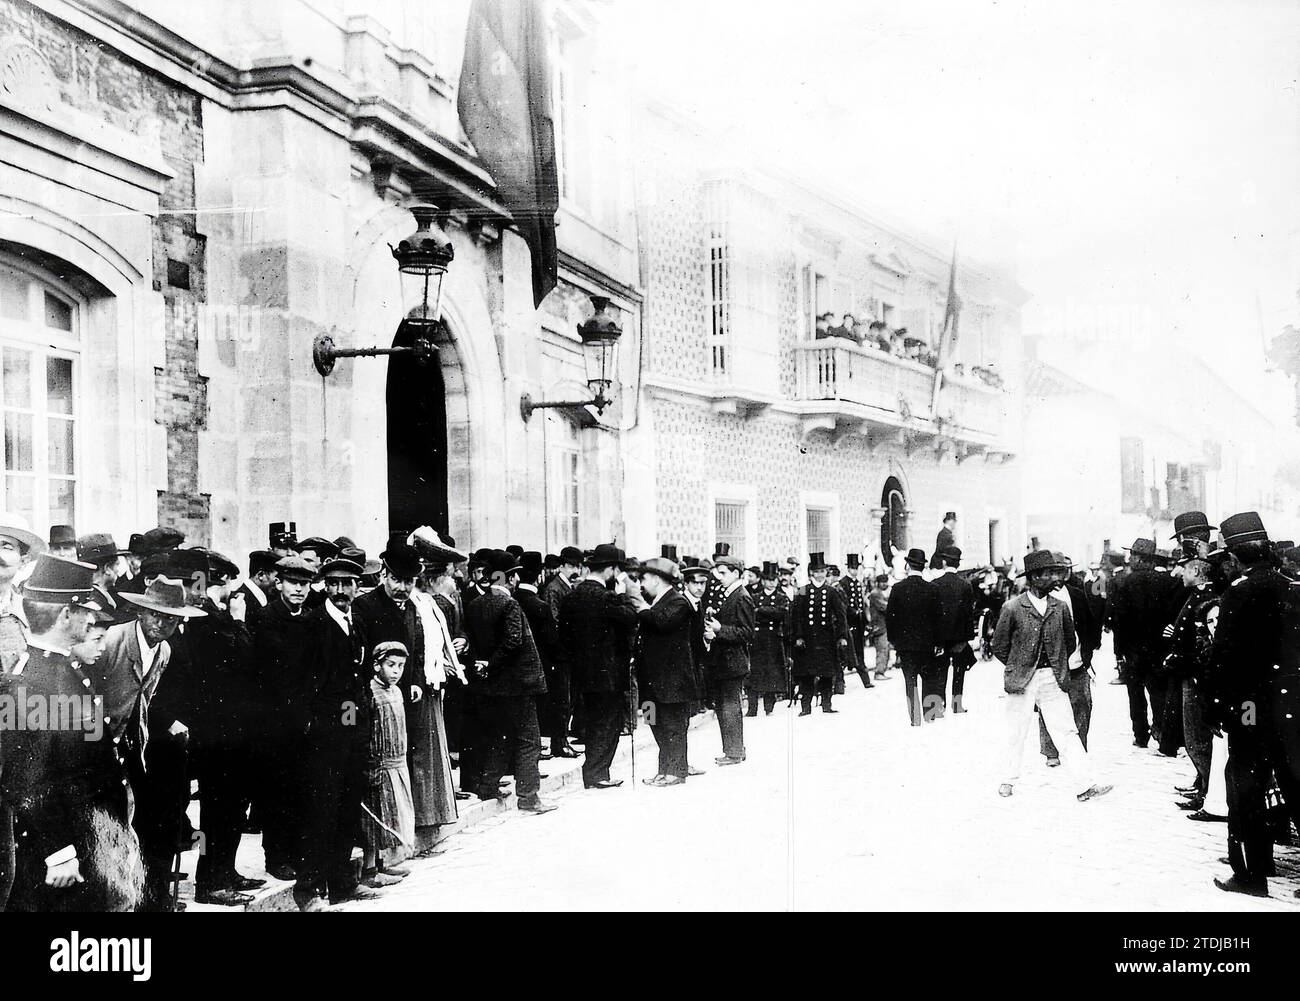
[{"x": 416, "y": 407}]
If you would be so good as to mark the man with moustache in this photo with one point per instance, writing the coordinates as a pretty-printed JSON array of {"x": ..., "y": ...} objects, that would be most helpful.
[
  {"x": 821, "y": 637},
  {"x": 666, "y": 669},
  {"x": 336, "y": 743},
  {"x": 279, "y": 643}
]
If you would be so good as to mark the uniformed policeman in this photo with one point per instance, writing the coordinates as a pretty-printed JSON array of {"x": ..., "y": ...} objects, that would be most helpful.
[
  {"x": 821, "y": 637},
  {"x": 769, "y": 665},
  {"x": 855, "y": 604}
]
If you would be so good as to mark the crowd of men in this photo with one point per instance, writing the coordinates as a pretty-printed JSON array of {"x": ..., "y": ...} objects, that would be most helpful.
[{"x": 332, "y": 701}]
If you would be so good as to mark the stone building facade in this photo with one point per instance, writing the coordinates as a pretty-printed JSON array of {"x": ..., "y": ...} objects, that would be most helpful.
[
  {"x": 751, "y": 431},
  {"x": 193, "y": 193}
]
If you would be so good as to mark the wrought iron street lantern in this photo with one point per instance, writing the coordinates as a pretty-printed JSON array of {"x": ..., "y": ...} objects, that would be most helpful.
[
  {"x": 422, "y": 260},
  {"x": 600, "y": 336}
]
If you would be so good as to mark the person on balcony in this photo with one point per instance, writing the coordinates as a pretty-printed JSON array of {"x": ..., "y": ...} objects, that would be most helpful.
[
  {"x": 823, "y": 327},
  {"x": 878, "y": 336}
]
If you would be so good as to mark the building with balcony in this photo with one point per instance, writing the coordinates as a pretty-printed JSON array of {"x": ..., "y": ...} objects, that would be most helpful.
[
  {"x": 191, "y": 194},
  {"x": 751, "y": 426},
  {"x": 1108, "y": 460}
]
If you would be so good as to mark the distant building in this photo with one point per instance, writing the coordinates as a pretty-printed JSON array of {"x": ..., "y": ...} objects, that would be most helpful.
[
  {"x": 1113, "y": 451},
  {"x": 750, "y": 429}
]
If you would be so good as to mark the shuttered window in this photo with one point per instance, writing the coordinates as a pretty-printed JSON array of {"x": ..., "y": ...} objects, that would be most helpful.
[
  {"x": 729, "y": 525},
  {"x": 819, "y": 531}
]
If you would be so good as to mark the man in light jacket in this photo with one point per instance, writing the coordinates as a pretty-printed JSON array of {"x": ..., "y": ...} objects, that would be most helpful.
[{"x": 1034, "y": 640}]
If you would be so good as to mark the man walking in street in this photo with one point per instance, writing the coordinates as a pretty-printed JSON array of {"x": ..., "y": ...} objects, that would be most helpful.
[
  {"x": 913, "y": 623},
  {"x": 956, "y": 626},
  {"x": 1033, "y": 641}
]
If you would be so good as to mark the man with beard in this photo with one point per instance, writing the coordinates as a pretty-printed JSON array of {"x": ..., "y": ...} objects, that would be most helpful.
[
  {"x": 821, "y": 637},
  {"x": 219, "y": 648},
  {"x": 65, "y": 784},
  {"x": 279, "y": 643},
  {"x": 769, "y": 665},
  {"x": 336, "y": 743},
  {"x": 595, "y": 628}
]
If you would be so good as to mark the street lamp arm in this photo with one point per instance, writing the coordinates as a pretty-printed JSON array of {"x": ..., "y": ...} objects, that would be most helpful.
[{"x": 324, "y": 354}]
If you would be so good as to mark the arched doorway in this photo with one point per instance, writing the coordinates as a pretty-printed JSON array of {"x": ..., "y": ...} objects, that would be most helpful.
[
  {"x": 893, "y": 524},
  {"x": 416, "y": 407}
]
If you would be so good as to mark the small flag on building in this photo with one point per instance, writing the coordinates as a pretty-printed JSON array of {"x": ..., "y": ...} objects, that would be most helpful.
[
  {"x": 948, "y": 338},
  {"x": 504, "y": 102}
]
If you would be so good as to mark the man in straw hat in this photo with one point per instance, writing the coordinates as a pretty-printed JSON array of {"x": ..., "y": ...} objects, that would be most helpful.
[
  {"x": 665, "y": 667},
  {"x": 1034, "y": 640}
]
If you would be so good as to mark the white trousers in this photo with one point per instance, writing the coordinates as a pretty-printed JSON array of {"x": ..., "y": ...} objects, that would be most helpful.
[
  {"x": 1044, "y": 692},
  {"x": 1216, "y": 796}
]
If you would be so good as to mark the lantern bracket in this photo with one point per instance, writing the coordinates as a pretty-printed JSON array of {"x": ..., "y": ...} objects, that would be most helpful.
[{"x": 324, "y": 354}]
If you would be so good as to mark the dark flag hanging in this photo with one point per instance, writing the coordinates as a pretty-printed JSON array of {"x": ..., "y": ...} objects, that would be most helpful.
[{"x": 504, "y": 103}]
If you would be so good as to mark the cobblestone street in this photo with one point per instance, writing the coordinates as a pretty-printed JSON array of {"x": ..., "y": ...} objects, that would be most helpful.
[{"x": 857, "y": 811}]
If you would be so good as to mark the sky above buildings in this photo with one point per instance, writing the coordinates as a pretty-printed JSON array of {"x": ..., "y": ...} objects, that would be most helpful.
[{"x": 1136, "y": 163}]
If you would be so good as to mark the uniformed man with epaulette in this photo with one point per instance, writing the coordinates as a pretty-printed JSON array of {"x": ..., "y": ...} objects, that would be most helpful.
[
  {"x": 855, "y": 607},
  {"x": 1249, "y": 694},
  {"x": 769, "y": 664},
  {"x": 821, "y": 637}
]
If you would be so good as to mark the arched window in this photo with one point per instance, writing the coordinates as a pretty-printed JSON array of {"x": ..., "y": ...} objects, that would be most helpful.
[
  {"x": 893, "y": 525},
  {"x": 39, "y": 351}
]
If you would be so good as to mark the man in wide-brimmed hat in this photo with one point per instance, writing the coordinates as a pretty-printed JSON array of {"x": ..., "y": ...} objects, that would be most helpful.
[
  {"x": 1034, "y": 640},
  {"x": 912, "y": 621},
  {"x": 99, "y": 550},
  {"x": 1252, "y": 681},
  {"x": 63, "y": 786},
  {"x": 595, "y": 628},
  {"x": 1143, "y": 601}
]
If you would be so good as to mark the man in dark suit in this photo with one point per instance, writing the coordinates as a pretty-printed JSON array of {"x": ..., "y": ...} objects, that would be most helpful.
[
  {"x": 728, "y": 634},
  {"x": 336, "y": 744},
  {"x": 559, "y": 708},
  {"x": 509, "y": 673},
  {"x": 956, "y": 626},
  {"x": 1142, "y": 602},
  {"x": 855, "y": 610},
  {"x": 665, "y": 666},
  {"x": 595, "y": 629},
  {"x": 1250, "y": 695},
  {"x": 695, "y": 579},
  {"x": 945, "y": 539},
  {"x": 821, "y": 637},
  {"x": 259, "y": 587},
  {"x": 912, "y": 621},
  {"x": 542, "y": 624}
]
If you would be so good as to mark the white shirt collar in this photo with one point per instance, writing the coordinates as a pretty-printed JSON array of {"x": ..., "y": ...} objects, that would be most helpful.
[
  {"x": 528, "y": 587},
  {"x": 1039, "y": 603},
  {"x": 502, "y": 588},
  {"x": 148, "y": 654},
  {"x": 335, "y": 613}
]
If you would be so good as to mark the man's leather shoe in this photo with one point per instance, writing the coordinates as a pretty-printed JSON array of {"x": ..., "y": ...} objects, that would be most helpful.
[
  {"x": 1053, "y": 762},
  {"x": 461, "y": 794},
  {"x": 1191, "y": 804},
  {"x": 535, "y": 806},
  {"x": 544, "y": 755},
  {"x": 246, "y": 883},
  {"x": 692, "y": 770},
  {"x": 653, "y": 780},
  {"x": 224, "y": 897},
  {"x": 1253, "y": 887},
  {"x": 1211, "y": 818},
  {"x": 605, "y": 784},
  {"x": 1092, "y": 792},
  {"x": 805, "y": 712},
  {"x": 1186, "y": 789},
  {"x": 284, "y": 872},
  {"x": 379, "y": 881},
  {"x": 400, "y": 871},
  {"x": 564, "y": 752},
  {"x": 724, "y": 760},
  {"x": 672, "y": 780},
  {"x": 357, "y": 893},
  {"x": 1140, "y": 743},
  {"x": 828, "y": 709}
]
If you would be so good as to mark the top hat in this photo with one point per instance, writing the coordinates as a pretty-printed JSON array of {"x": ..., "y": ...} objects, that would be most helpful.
[
  {"x": 262, "y": 561},
  {"x": 951, "y": 555},
  {"x": 341, "y": 568},
  {"x": 663, "y": 567},
  {"x": 295, "y": 568},
  {"x": 515, "y": 550},
  {"x": 915, "y": 558},
  {"x": 531, "y": 562},
  {"x": 1142, "y": 547},
  {"x": 60, "y": 581},
  {"x": 833, "y": 569},
  {"x": 816, "y": 561},
  {"x": 950, "y": 516},
  {"x": 166, "y": 596},
  {"x": 769, "y": 571},
  {"x": 63, "y": 535},
  {"x": 668, "y": 552},
  {"x": 552, "y": 562},
  {"x": 283, "y": 534},
  {"x": 606, "y": 554},
  {"x": 1190, "y": 521},
  {"x": 98, "y": 549},
  {"x": 1041, "y": 559},
  {"x": 721, "y": 549},
  {"x": 401, "y": 560},
  {"x": 433, "y": 547},
  {"x": 853, "y": 561},
  {"x": 501, "y": 561},
  {"x": 1244, "y": 527}
]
